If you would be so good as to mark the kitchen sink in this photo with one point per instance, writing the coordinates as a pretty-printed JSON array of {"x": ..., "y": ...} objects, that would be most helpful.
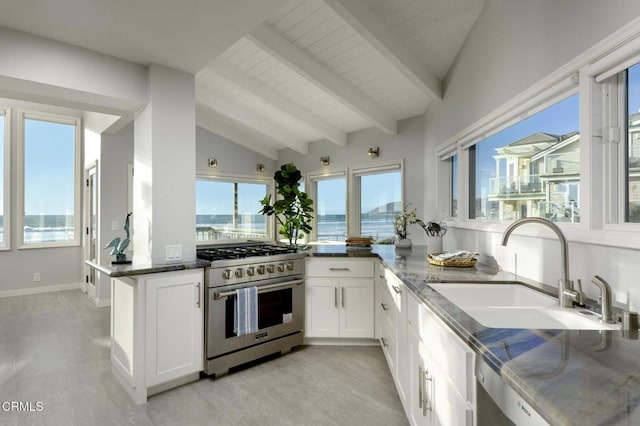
[{"x": 518, "y": 306}]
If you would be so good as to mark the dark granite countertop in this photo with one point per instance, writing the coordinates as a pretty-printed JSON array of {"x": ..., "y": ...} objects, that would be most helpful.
[
  {"x": 142, "y": 269},
  {"x": 581, "y": 377}
]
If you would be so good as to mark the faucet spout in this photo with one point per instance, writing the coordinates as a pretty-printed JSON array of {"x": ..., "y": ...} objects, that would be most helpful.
[
  {"x": 605, "y": 299},
  {"x": 566, "y": 293}
]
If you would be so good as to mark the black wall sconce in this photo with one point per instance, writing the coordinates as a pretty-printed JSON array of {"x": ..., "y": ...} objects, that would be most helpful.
[
  {"x": 324, "y": 161},
  {"x": 374, "y": 152},
  {"x": 260, "y": 167},
  {"x": 213, "y": 162}
]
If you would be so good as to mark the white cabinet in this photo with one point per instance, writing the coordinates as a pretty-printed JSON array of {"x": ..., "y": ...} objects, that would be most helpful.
[
  {"x": 339, "y": 298},
  {"x": 157, "y": 331},
  {"x": 174, "y": 327},
  {"x": 392, "y": 321},
  {"x": 441, "y": 380}
]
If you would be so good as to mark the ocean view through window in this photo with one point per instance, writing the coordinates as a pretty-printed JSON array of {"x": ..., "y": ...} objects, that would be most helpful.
[
  {"x": 227, "y": 210},
  {"x": 3, "y": 242},
  {"x": 380, "y": 203},
  {"x": 331, "y": 209},
  {"x": 50, "y": 188}
]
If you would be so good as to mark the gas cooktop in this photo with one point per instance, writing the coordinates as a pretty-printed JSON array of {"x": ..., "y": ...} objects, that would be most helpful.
[{"x": 241, "y": 251}]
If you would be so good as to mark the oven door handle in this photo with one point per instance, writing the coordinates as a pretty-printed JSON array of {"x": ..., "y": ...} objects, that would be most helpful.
[{"x": 217, "y": 296}]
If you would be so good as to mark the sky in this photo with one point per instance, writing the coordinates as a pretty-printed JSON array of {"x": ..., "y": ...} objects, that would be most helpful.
[{"x": 49, "y": 168}]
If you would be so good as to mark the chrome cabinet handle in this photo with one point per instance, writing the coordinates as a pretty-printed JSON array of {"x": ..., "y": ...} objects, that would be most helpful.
[
  {"x": 396, "y": 289},
  {"x": 335, "y": 296},
  {"x": 384, "y": 306},
  {"x": 420, "y": 386},
  {"x": 339, "y": 269},
  {"x": 342, "y": 296},
  {"x": 384, "y": 342},
  {"x": 198, "y": 287},
  {"x": 426, "y": 406}
]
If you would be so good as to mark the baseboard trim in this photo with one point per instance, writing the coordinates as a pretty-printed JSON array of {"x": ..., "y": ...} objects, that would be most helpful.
[
  {"x": 38, "y": 290},
  {"x": 339, "y": 341},
  {"x": 102, "y": 303}
]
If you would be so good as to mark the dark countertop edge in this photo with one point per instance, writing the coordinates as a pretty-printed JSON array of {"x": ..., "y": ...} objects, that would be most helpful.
[{"x": 130, "y": 270}]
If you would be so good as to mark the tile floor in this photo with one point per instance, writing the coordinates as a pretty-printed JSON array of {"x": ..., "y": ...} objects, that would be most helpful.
[{"x": 54, "y": 355}]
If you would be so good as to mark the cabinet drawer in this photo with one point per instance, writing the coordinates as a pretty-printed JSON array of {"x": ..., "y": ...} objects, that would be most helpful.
[
  {"x": 387, "y": 308},
  {"x": 395, "y": 287},
  {"x": 339, "y": 268},
  {"x": 453, "y": 357}
]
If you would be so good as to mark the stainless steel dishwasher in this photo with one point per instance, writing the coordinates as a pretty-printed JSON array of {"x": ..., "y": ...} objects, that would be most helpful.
[{"x": 498, "y": 404}]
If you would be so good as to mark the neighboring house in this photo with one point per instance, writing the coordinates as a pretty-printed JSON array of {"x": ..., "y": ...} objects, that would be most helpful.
[
  {"x": 633, "y": 164},
  {"x": 538, "y": 176}
]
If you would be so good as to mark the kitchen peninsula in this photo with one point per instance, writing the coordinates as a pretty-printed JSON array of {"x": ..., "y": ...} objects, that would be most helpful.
[{"x": 156, "y": 325}]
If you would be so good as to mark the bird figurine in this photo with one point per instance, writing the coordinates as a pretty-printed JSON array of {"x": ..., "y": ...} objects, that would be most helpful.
[{"x": 118, "y": 245}]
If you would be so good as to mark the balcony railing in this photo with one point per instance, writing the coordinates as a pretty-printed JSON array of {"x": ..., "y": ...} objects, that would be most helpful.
[
  {"x": 562, "y": 164},
  {"x": 515, "y": 185}
]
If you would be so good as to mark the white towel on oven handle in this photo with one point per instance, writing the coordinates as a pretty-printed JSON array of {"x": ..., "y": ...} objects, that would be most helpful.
[{"x": 245, "y": 318}]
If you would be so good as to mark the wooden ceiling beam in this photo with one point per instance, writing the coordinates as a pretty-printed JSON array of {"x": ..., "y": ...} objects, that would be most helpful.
[
  {"x": 366, "y": 23},
  {"x": 286, "y": 52}
]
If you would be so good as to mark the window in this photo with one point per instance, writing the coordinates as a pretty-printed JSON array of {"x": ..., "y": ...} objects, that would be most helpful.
[
  {"x": 4, "y": 175},
  {"x": 632, "y": 202},
  {"x": 329, "y": 192},
  {"x": 454, "y": 185},
  {"x": 377, "y": 199},
  {"x": 531, "y": 168},
  {"x": 50, "y": 163},
  {"x": 380, "y": 203},
  {"x": 229, "y": 210}
]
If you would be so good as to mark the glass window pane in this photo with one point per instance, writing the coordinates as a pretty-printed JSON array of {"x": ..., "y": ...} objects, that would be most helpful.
[
  {"x": 633, "y": 145},
  {"x": 531, "y": 168},
  {"x": 454, "y": 186},
  {"x": 49, "y": 181},
  {"x": 331, "y": 210},
  {"x": 380, "y": 203},
  {"x": 229, "y": 210},
  {"x": 2, "y": 141}
]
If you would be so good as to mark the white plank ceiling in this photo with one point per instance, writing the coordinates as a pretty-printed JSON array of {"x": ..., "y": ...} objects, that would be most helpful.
[{"x": 320, "y": 69}]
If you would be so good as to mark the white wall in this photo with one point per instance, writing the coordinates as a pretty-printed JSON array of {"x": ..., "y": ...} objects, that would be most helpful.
[
  {"x": 407, "y": 144},
  {"x": 60, "y": 267},
  {"x": 515, "y": 44},
  {"x": 233, "y": 159}
]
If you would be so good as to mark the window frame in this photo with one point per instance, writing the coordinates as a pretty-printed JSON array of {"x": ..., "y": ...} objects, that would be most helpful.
[
  {"x": 311, "y": 186},
  {"x": 6, "y": 181},
  {"x": 354, "y": 190},
  {"x": 599, "y": 179},
  {"x": 238, "y": 178},
  {"x": 22, "y": 115}
]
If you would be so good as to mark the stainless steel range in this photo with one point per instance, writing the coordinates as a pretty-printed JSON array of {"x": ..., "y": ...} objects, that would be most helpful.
[{"x": 277, "y": 272}]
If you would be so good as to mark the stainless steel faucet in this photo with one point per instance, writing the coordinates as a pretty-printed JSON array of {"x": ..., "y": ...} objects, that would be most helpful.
[
  {"x": 567, "y": 295},
  {"x": 605, "y": 299}
]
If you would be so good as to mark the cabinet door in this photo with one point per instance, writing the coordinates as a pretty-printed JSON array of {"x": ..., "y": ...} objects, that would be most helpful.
[
  {"x": 402, "y": 366},
  {"x": 447, "y": 406},
  {"x": 417, "y": 414},
  {"x": 322, "y": 317},
  {"x": 174, "y": 326},
  {"x": 356, "y": 301}
]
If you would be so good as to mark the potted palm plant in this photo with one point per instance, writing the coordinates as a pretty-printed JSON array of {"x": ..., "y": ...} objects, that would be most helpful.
[{"x": 293, "y": 208}]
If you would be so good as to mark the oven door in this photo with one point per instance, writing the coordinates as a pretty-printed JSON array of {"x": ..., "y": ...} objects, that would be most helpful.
[{"x": 280, "y": 313}]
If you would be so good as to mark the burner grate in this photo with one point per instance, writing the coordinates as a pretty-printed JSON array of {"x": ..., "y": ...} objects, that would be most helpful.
[{"x": 241, "y": 252}]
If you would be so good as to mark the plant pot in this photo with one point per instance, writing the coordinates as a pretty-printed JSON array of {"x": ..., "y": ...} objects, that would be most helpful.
[{"x": 403, "y": 242}]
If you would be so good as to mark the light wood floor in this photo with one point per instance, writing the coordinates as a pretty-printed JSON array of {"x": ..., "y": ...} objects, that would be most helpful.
[{"x": 54, "y": 350}]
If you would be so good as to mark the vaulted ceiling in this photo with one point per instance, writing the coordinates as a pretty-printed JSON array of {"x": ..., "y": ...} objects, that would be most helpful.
[
  {"x": 274, "y": 74},
  {"x": 320, "y": 69}
]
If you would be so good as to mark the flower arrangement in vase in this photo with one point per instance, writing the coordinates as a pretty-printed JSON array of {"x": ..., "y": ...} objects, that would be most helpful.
[{"x": 400, "y": 224}]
